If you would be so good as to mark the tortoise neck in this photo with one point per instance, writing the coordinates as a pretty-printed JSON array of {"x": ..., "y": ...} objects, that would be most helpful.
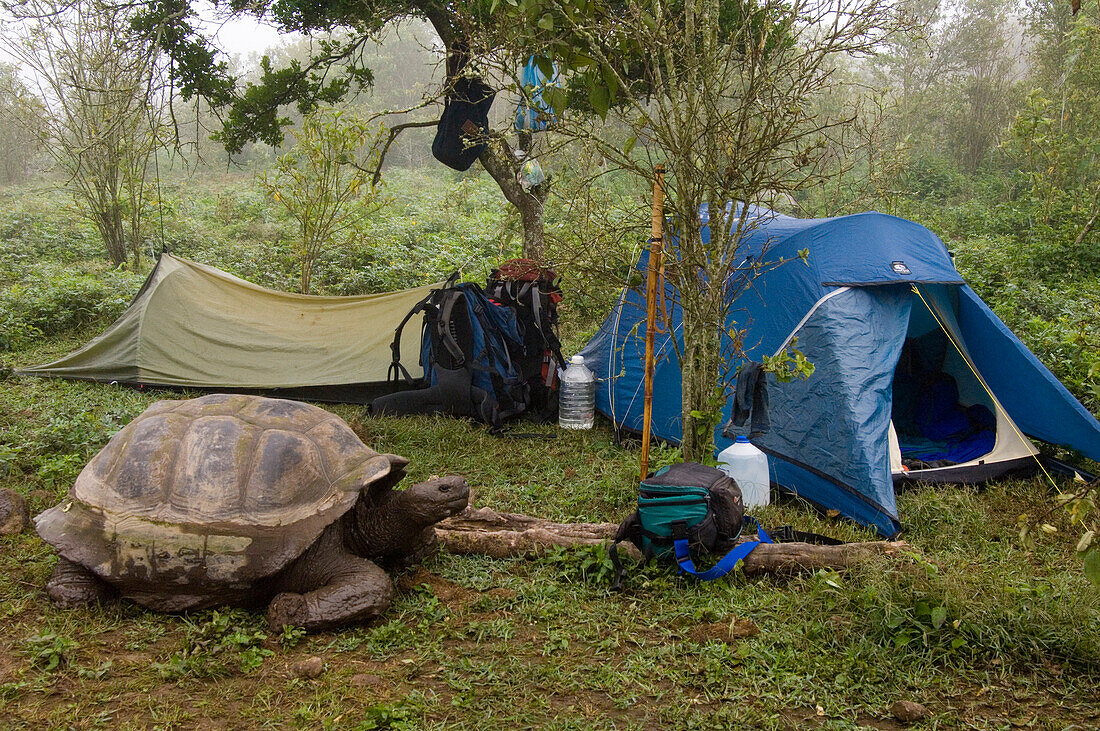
[{"x": 375, "y": 528}]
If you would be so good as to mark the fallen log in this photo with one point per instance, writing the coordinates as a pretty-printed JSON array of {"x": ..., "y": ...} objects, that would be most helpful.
[{"x": 503, "y": 535}]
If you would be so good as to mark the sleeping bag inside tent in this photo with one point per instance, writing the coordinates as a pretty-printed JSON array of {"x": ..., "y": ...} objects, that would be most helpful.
[
  {"x": 915, "y": 377},
  {"x": 192, "y": 325}
]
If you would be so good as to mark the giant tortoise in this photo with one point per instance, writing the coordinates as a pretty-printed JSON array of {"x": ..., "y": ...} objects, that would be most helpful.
[{"x": 243, "y": 501}]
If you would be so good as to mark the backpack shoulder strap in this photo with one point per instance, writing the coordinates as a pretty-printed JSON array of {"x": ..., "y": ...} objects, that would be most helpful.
[
  {"x": 787, "y": 534},
  {"x": 628, "y": 529},
  {"x": 443, "y": 323},
  {"x": 726, "y": 564},
  {"x": 397, "y": 370}
]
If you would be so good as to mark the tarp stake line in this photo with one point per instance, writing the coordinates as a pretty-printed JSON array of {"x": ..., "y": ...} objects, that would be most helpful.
[
  {"x": 634, "y": 396},
  {"x": 1011, "y": 421},
  {"x": 611, "y": 359}
]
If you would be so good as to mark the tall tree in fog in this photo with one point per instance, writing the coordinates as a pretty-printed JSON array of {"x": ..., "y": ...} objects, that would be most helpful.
[
  {"x": 954, "y": 78},
  {"x": 1056, "y": 135},
  {"x": 982, "y": 45},
  {"x": 20, "y": 113},
  {"x": 101, "y": 122}
]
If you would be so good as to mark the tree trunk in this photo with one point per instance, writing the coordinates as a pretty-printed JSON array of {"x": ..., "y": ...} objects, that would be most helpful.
[
  {"x": 503, "y": 535},
  {"x": 499, "y": 159},
  {"x": 700, "y": 373},
  {"x": 307, "y": 275},
  {"x": 109, "y": 222},
  {"x": 483, "y": 530}
]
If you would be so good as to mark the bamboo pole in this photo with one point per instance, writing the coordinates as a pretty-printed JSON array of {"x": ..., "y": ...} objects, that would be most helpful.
[{"x": 656, "y": 242}]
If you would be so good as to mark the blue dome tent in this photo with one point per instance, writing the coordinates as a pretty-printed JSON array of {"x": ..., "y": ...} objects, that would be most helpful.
[{"x": 915, "y": 377}]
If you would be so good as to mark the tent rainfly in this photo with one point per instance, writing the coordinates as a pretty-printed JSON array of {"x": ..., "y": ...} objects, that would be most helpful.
[
  {"x": 192, "y": 325},
  {"x": 915, "y": 377}
]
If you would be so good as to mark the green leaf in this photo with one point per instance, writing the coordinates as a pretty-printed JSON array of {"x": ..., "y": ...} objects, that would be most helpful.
[
  {"x": 629, "y": 145},
  {"x": 599, "y": 99},
  {"x": 545, "y": 65},
  {"x": 939, "y": 616},
  {"x": 546, "y": 22},
  {"x": 1092, "y": 566},
  {"x": 555, "y": 97}
]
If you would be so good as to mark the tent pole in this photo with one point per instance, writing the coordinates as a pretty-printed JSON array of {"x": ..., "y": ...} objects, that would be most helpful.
[{"x": 655, "y": 252}]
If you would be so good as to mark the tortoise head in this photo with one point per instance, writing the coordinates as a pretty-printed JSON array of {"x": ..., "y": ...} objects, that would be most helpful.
[{"x": 429, "y": 502}]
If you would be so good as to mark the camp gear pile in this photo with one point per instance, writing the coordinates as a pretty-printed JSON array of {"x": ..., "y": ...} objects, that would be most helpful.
[
  {"x": 486, "y": 354},
  {"x": 533, "y": 293},
  {"x": 683, "y": 510}
]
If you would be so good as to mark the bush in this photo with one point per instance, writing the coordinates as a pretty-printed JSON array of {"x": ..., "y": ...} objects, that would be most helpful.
[
  {"x": 53, "y": 299},
  {"x": 1057, "y": 318},
  {"x": 43, "y": 224}
]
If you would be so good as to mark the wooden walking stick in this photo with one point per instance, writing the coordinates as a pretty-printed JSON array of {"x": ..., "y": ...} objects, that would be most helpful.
[{"x": 655, "y": 251}]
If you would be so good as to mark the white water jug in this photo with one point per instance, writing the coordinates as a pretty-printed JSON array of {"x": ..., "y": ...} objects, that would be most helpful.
[
  {"x": 577, "y": 397},
  {"x": 748, "y": 467}
]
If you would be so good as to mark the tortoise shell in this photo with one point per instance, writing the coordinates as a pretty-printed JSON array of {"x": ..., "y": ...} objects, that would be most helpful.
[{"x": 212, "y": 494}]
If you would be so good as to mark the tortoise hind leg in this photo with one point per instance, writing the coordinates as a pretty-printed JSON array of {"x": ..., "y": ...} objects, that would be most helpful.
[
  {"x": 71, "y": 585},
  {"x": 352, "y": 589}
]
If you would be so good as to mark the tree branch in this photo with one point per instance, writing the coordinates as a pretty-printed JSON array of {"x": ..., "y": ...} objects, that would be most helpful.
[
  {"x": 394, "y": 131},
  {"x": 1095, "y": 214},
  {"x": 503, "y": 535}
]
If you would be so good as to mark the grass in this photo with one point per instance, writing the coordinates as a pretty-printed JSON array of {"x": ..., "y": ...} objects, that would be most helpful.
[{"x": 984, "y": 632}]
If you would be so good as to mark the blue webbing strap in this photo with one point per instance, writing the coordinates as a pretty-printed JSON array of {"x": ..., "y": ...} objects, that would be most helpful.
[{"x": 726, "y": 564}]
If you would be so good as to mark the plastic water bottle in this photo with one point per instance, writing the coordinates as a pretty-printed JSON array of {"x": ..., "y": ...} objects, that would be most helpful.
[
  {"x": 577, "y": 398},
  {"x": 748, "y": 466}
]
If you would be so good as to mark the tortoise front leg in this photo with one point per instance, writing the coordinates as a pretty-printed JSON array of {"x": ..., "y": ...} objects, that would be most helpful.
[
  {"x": 72, "y": 585},
  {"x": 354, "y": 590}
]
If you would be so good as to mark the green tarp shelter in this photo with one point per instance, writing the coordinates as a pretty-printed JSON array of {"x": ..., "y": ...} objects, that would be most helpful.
[{"x": 195, "y": 326}]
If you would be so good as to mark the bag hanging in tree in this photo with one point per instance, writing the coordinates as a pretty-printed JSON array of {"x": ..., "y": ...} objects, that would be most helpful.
[{"x": 464, "y": 124}]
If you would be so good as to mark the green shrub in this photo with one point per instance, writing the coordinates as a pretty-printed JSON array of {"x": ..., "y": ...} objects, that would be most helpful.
[
  {"x": 43, "y": 224},
  {"x": 53, "y": 299}
]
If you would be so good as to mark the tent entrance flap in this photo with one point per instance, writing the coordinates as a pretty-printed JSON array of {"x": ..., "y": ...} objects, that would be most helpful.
[{"x": 943, "y": 414}]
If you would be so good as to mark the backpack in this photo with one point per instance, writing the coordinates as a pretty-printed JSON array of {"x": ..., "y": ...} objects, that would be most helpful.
[
  {"x": 689, "y": 509},
  {"x": 464, "y": 124},
  {"x": 466, "y": 353},
  {"x": 533, "y": 293}
]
